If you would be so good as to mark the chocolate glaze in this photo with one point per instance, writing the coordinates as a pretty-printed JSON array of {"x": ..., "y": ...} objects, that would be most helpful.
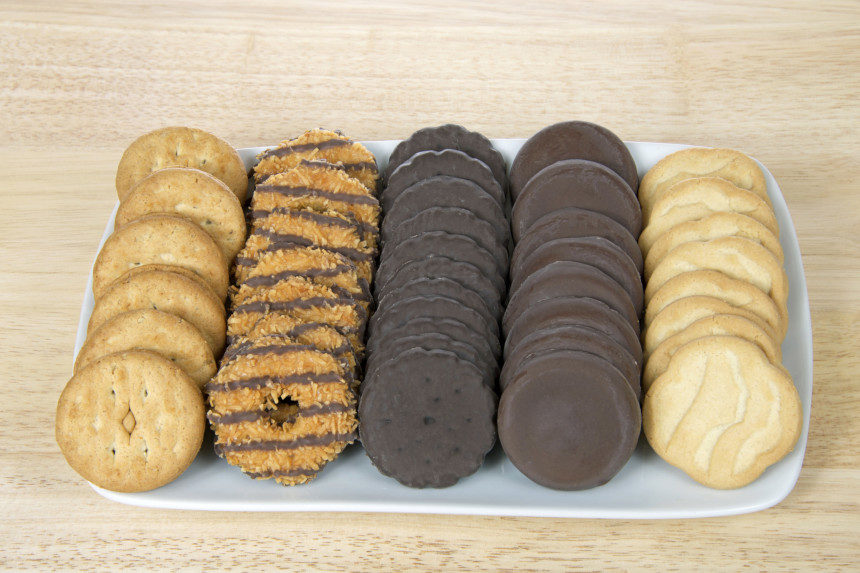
[
  {"x": 282, "y": 473},
  {"x": 273, "y": 445},
  {"x": 316, "y": 301},
  {"x": 264, "y": 381},
  {"x": 313, "y": 192},
  {"x": 281, "y": 151},
  {"x": 250, "y": 416}
]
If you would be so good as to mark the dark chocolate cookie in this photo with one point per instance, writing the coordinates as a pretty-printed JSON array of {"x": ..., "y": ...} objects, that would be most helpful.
[
  {"x": 444, "y": 287},
  {"x": 451, "y": 327},
  {"x": 427, "y": 418},
  {"x": 595, "y": 251},
  {"x": 569, "y": 421},
  {"x": 404, "y": 310},
  {"x": 449, "y": 136},
  {"x": 576, "y": 183},
  {"x": 565, "y": 278},
  {"x": 572, "y": 140}
]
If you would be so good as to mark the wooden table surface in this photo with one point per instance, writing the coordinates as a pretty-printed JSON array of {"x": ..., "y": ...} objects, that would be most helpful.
[{"x": 78, "y": 82}]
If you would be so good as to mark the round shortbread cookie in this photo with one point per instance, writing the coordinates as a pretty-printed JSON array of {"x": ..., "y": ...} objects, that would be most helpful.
[
  {"x": 736, "y": 292},
  {"x": 738, "y": 258},
  {"x": 193, "y": 194},
  {"x": 693, "y": 199},
  {"x": 181, "y": 147},
  {"x": 161, "y": 239},
  {"x": 572, "y": 140},
  {"x": 726, "y": 164},
  {"x": 715, "y": 325},
  {"x": 722, "y": 412},
  {"x": 713, "y": 227},
  {"x": 131, "y": 421},
  {"x": 685, "y": 311},
  {"x": 148, "y": 329},
  {"x": 168, "y": 291}
]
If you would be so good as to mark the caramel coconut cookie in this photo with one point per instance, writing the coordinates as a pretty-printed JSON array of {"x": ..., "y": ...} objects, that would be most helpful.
[
  {"x": 330, "y": 146},
  {"x": 181, "y": 147}
]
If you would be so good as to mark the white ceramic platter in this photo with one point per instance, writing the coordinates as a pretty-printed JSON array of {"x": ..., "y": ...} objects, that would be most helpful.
[{"x": 646, "y": 488}]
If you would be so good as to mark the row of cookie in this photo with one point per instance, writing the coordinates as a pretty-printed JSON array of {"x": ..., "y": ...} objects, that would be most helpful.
[
  {"x": 428, "y": 402},
  {"x": 283, "y": 402},
  {"x": 719, "y": 404},
  {"x": 131, "y": 418},
  {"x": 569, "y": 415}
]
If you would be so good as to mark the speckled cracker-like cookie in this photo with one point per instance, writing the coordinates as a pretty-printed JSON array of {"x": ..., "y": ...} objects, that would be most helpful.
[
  {"x": 181, "y": 147},
  {"x": 161, "y": 239},
  {"x": 169, "y": 291},
  {"x": 131, "y": 421},
  {"x": 726, "y": 164},
  {"x": 722, "y": 412},
  {"x": 330, "y": 146},
  {"x": 193, "y": 194},
  {"x": 160, "y": 332}
]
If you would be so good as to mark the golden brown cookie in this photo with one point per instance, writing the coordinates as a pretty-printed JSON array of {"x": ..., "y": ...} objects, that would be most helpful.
[
  {"x": 319, "y": 144},
  {"x": 160, "y": 332},
  {"x": 281, "y": 410},
  {"x": 715, "y": 325},
  {"x": 727, "y": 164},
  {"x": 131, "y": 421},
  {"x": 169, "y": 291},
  {"x": 738, "y": 258},
  {"x": 685, "y": 311},
  {"x": 161, "y": 239},
  {"x": 722, "y": 412},
  {"x": 736, "y": 292},
  {"x": 181, "y": 147},
  {"x": 193, "y": 194},
  {"x": 694, "y": 199}
]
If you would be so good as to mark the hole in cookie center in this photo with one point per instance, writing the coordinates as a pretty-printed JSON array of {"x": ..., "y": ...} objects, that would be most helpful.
[{"x": 283, "y": 410}]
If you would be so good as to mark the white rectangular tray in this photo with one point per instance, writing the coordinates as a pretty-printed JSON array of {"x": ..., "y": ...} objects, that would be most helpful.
[{"x": 647, "y": 487}]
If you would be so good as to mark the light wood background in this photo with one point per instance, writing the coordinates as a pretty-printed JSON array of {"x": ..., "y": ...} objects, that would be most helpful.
[{"x": 79, "y": 81}]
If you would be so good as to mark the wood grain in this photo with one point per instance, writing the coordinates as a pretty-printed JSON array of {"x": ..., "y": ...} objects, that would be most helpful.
[{"x": 79, "y": 81}]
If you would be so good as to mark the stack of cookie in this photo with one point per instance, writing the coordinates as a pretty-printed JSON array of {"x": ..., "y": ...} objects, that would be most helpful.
[
  {"x": 283, "y": 402},
  {"x": 131, "y": 418},
  {"x": 719, "y": 404},
  {"x": 569, "y": 414},
  {"x": 428, "y": 400}
]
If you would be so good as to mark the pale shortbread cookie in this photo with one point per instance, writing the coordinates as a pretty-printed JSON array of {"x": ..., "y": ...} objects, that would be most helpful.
[
  {"x": 714, "y": 283},
  {"x": 694, "y": 199},
  {"x": 160, "y": 332},
  {"x": 165, "y": 240},
  {"x": 716, "y": 325},
  {"x": 181, "y": 147},
  {"x": 131, "y": 421},
  {"x": 727, "y": 164},
  {"x": 193, "y": 194},
  {"x": 722, "y": 412},
  {"x": 684, "y": 312},
  {"x": 738, "y": 258},
  {"x": 170, "y": 290},
  {"x": 713, "y": 227}
]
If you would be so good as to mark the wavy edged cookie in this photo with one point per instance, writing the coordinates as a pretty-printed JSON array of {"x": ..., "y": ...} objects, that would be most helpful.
[
  {"x": 193, "y": 194},
  {"x": 722, "y": 412},
  {"x": 130, "y": 421},
  {"x": 181, "y": 147},
  {"x": 727, "y": 164}
]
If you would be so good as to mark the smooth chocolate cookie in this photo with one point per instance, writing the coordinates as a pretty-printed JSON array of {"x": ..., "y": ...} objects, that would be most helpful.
[
  {"x": 466, "y": 274},
  {"x": 570, "y": 337},
  {"x": 451, "y": 327},
  {"x": 449, "y": 136},
  {"x": 457, "y": 221},
  {"x": 433, "y": 306},
  {"x": 595, "y": 251},
  {"x": 427, "y": 418},
  {"x": 446, "y": 162},
  {"x": 572, "y": 222},
  {"x": 565, "y": 278},
  {"x": 572, "y": 140},
  {"x": 433, "y": 243},
  {"x": 444, "y": 191},
  {"x": 444, "y": 287},
  {"x": 569, "y": 421},
  {"x": 576, "y": 183},
  {"x": 579, "y": 311}
]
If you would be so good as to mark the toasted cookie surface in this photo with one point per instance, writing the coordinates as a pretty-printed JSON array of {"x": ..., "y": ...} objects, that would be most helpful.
[
  {"x": 130, "y": 421},
  {"x": 181, "y": 147}
]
